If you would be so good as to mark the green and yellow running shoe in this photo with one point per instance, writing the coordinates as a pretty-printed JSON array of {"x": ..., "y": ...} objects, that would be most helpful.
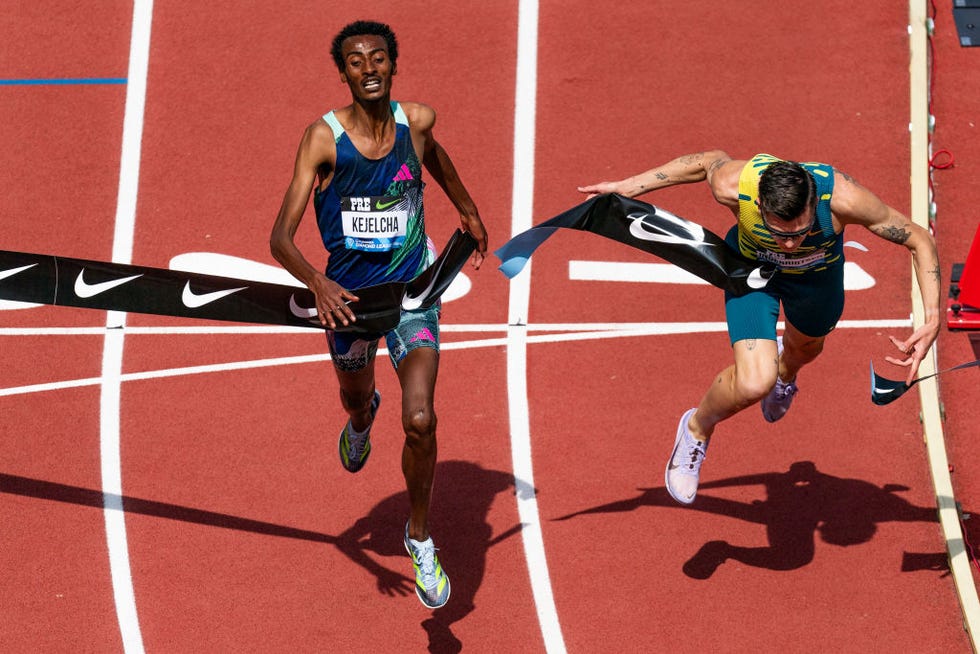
[
  {"x": 431, "y": 582},
  {"x": 354, "y": 450}
]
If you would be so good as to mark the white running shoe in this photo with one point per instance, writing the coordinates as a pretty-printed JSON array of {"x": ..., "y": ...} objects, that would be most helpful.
[
  {"x": 780, "y": 398},
  {"x": 684, "y": 467},
  {"x": 777, "y": 403}
]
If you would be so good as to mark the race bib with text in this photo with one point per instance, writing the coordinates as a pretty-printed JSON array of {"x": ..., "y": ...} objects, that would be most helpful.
[{"x": 374, "y": 223}]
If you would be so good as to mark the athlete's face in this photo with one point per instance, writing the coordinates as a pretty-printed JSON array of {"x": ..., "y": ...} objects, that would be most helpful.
[
  {"x": 367, "y": 67},
  {"x": 789, "y": 234}
]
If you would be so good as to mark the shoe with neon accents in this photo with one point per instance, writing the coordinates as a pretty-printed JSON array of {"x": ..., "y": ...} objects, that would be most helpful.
[
  {"x": 354, "y": 451},
  {"x": 431, "y": 583}
]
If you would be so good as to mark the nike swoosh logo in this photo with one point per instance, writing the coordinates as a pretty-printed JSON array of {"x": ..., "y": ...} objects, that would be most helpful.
[
  {"x": 756, "y": 279},
  {"x": 85, "y": 290},
  {"x": 380, "y": 206},
  {"x": 410, "y": 302},
  {"x": 883, "y": 391},
  {"x": 13, "y": 271},
  {"x": 193, "y": 300},
  {"x": 670, "y": 462},
  {"x": 298, "y": 311},
  {"x": 638, "y": 229}
]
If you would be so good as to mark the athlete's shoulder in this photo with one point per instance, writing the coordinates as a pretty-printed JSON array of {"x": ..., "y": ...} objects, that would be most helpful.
[
  {"x": 322, "y": 124},
  {"x": 420, "y": 116},
  {"x": 851, "y": 201},
  {"x": 318, "y": 145},
  {"x": 722, "y": 170}
]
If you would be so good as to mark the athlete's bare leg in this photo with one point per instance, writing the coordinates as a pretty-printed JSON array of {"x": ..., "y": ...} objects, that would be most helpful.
[
  {"x": 798, "y": 350},
  {"x": 417, "y": 376},
  {"x": 752, "y": 377},
  {"x": 356, "y": 393},
  {"x": 736, "y": 387}
]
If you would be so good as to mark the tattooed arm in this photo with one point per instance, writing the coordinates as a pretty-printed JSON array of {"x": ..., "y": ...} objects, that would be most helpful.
[
  {"x": 855, "y": 205},
  {"x": 713, "y": 166}
]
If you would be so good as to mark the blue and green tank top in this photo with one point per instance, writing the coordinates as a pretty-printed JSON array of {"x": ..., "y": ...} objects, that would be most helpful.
[{"x": 370, "y": 216}]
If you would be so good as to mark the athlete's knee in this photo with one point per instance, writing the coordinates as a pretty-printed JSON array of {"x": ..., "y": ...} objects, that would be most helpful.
[
  {"x": 356, "y": 400},
  {"x": 419, "y": 424},
  {"x": 753, "y": 385}
]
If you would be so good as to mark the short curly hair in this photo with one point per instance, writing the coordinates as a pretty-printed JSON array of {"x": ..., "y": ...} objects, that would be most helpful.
[
  {"x": 786, "y": 189},
  {"x": 360, "y": 28}
]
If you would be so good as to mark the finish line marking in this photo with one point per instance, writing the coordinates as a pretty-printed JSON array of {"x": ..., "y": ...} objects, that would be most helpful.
[{"x": 111, "y": 381}]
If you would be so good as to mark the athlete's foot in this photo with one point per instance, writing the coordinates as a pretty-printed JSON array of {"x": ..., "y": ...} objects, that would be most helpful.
[
  {"x": 354, "y": 448},
  {"x": 684, "y": 466},
  {"x": 780, "y": 398}
]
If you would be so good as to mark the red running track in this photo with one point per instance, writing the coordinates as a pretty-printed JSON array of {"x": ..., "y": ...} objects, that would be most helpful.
[{"x": 242, "y": 532}]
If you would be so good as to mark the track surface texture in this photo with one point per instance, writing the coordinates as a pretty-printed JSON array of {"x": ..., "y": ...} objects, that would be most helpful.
[{"x": 173, "y": 486}]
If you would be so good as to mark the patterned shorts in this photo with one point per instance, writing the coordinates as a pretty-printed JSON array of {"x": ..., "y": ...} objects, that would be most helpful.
[{"x": 351, "y": 353}]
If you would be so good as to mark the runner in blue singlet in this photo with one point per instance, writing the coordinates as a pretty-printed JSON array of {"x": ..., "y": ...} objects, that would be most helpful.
[{"x": 363, "y": 165}]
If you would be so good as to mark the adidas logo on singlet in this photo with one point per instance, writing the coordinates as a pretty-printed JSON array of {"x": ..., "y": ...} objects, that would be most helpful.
[{"x": 403, "y": 174}]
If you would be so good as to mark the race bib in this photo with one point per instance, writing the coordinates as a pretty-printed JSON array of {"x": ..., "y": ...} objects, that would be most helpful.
[
  {"x": 374, "y": 223},
  {"x": 780, "y": 259}
]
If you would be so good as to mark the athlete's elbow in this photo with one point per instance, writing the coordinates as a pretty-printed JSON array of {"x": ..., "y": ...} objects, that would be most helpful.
[{"x": 277, "y": 245}]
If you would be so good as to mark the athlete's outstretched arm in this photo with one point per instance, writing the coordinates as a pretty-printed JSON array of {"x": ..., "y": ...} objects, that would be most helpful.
[
  {"x": 689, "y": 168},
  {"x": 854, "y": 204}
]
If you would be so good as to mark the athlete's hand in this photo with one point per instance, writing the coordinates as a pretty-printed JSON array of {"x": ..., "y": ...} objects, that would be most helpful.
[
  {"x": 602, "y": 188},
  {"x": 914, "y": 349},
  {"x": 474, "y": 227},
  {"x": 332, "y": 302}
]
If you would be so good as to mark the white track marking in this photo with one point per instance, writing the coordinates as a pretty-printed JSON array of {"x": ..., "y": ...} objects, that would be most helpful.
[
  {"x": 570, "y": 332},
  {"x": 931, "y": 415},
  {"x": 650, "y": 328},
  {"x": 522, "y": 210},
  {"x": 14, "y": 305},
  {"x": 225, "y": 265},
  {"x": 855, "y": 277},
  {"x": 122, "y": 252},
  {"x": 621, "y": 271}
]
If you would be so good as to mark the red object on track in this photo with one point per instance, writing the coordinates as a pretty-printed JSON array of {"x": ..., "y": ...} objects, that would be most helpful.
[
  {"x": 970, "y": 279},
  {"x": 963, "y": 304}
]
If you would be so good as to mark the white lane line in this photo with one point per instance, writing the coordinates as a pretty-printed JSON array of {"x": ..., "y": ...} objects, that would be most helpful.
[
  {"x": 564, "y": 333},
  {"x": 644, "y": 327},
  {"x": 931, "y": 415},
  {"x": 122, "y": 252},
  {"x": 855, "y": 277},
  {"x": 522, "y": 210},
  {"x": 622, "y": 271}
]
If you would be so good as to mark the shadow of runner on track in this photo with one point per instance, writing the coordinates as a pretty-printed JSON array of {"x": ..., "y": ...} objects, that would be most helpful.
[
  {"x": 464, "y": 493},
  {"x": 799, "y": 503},
  {"x": 48, "y": 490},
  {"x": 462, "y": 497}
]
